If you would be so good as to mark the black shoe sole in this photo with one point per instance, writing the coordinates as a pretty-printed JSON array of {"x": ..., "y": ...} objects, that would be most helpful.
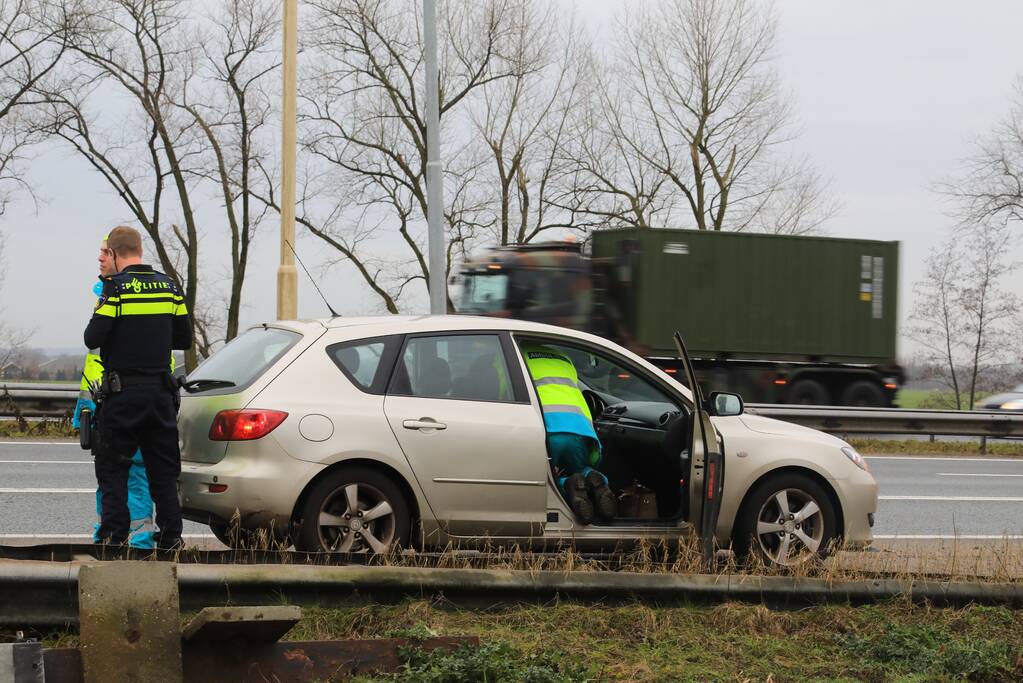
[
  {"x": 607, "y": 505},
  {"x": 575, "y": 490}
]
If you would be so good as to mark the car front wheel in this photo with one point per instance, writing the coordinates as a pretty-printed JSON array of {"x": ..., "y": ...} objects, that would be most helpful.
[
  {"x": 354, "y": 510},
  {"x": 786, "y": 521}
]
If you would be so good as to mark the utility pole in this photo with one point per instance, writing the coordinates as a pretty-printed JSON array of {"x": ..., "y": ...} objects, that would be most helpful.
[
  {"x": 287, "y": 276},
  {"x": 434, "y": 167}
]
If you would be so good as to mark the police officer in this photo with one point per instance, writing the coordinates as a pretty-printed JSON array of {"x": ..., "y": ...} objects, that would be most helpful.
[
  {"x": 572, "y": 443},
  {"x": 140, "y": 317},
  {"x": 141, "y": 532}
]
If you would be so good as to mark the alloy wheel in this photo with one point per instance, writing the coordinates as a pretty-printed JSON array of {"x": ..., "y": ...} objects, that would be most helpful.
[
  {"x": 357, "y": 518},
  {"x": 790, "y": 527}
]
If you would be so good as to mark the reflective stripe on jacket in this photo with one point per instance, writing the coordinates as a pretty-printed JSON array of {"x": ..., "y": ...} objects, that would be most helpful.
[{"x": 557, "y": 385}]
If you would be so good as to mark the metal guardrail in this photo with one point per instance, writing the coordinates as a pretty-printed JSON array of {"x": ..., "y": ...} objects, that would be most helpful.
[
  {"x": 30, "y": 399},
  {"x": 843, "y": 420},
  {"x": 58, "y": 399},
  {"x": 46, "y": 594}
]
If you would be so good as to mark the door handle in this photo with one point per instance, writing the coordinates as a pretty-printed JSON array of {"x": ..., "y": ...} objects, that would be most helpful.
[{"x": 423, "y": 423}]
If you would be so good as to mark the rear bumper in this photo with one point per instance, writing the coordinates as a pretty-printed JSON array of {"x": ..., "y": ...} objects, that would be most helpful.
[{"x": 261, "y": 491}]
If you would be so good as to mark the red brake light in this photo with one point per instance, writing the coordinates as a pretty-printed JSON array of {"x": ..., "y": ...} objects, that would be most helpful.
[{"x": 245, "y": 425}]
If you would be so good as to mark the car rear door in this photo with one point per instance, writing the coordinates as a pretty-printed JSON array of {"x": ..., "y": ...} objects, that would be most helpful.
[
  {"x": 707, "y": 466},
  {"x": 458, "y": 405}
]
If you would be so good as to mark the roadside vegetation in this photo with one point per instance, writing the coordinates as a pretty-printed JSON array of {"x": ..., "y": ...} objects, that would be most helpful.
[
  {"x": 869, "y": 446},
  {"x": 567, "y": 641},
  {"x": 933, "y": 399},
  {"x": 38, "y": 429},
  {"x": 571, "y": 641}
]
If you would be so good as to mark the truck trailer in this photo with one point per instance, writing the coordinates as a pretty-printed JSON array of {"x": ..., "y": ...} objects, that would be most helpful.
[{"x": 775, "y": 318}]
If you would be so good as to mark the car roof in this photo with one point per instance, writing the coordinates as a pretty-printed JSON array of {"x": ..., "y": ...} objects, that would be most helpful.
[
  {"x": 391, "y": 324},
  {"x": 364, "y": 327}
]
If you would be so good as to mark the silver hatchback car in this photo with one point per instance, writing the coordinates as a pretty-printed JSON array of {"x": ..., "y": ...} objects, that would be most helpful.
[{"x": 359, "y": 434}]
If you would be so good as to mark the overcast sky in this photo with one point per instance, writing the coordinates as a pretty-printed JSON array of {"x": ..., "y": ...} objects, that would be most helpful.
[{"x": 889, "y": 94}]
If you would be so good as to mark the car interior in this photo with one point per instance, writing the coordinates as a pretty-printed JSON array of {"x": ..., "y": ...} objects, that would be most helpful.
[{"x": 645, "y": 438}]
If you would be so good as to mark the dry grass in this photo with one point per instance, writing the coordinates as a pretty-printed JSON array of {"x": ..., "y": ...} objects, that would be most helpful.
[{"x": 953, "y": 561}]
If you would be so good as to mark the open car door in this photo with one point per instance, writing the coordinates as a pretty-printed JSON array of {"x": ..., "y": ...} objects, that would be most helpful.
[{"x": 707, "y": 465}]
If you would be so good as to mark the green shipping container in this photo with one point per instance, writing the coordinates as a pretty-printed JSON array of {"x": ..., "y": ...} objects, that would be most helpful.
[{"x": 755, "y": 296}]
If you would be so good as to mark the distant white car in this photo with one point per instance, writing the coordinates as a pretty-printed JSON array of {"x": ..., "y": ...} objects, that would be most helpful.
[
  {"x": 356, "y": 434},
  {"x": 1009, "y": 400}
]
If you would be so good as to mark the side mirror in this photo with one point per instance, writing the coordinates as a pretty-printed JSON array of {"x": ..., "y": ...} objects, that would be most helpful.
[{"x": 722, "y": 404}]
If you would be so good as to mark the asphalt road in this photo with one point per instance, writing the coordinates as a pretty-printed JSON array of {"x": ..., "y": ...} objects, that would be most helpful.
[{"x": 47, "y": 494}]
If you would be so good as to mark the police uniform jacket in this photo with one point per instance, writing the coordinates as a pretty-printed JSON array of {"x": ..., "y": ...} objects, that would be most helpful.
[{"x": 140, "y": 317}]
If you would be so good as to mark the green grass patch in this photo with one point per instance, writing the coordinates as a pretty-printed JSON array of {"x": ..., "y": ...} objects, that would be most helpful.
[
  {"x": 938, "y": 399},
  {"x": 566, "y": 641},
  {"x": 913, "y": 447}
]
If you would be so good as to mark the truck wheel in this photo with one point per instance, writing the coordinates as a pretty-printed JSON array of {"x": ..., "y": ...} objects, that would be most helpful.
[
  {"x": 863, "y": 393},
  {"x": 354, "y": 510},
  {"x": 808, "y": 392},
  {"x": 785, "y": 521}
]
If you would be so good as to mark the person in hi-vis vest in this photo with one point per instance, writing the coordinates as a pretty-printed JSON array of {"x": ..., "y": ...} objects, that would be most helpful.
[{"x": 572, "y": 444}]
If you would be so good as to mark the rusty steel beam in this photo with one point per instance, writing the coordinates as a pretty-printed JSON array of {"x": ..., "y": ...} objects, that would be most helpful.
[{"x": 323, "y": 660}]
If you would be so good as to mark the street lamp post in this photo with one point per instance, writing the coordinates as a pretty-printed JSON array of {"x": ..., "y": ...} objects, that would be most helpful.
[
  {"x": 434, "y": 166},
  {"x": 287, "y": 276}
]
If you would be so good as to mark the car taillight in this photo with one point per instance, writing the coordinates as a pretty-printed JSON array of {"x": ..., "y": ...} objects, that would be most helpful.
[{"x": 245, "y": 425}]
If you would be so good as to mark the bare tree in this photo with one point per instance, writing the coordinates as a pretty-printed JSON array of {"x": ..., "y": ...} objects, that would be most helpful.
[
  {"x": 989, "y": 309},
  {"x": 709, "y": 114},
  {"x": 226, "y": 95},
  {"x": 32, "y": 42},
  {"x": 609, "y": 184},
  {"x": 935, "y": 322},
  {"x": 989, "y": 186},
  {"x": 129, "y": 53},
  {"x": 363, "y": 123},
  {"x": 964, "y": 318},
  {"x": 528, "y": 119}
]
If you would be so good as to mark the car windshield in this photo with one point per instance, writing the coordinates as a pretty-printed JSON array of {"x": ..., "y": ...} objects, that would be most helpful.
[
  {"x": 614, "y": 383},
  {"x": 1019, "y": 389},
  {"x": 244, "y": 359},
  {"x": 483, "y": 293}
]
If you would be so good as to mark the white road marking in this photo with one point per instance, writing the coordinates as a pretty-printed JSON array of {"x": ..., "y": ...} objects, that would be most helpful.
[
  {"x": 62, "y": 462},
  {"x": 47, "y": 490},
  {"x": 972, "y": 474},
  {"x": 926, "y": 457},
  {"x": 39, "y": 443},
  {"x": 77, "y": 536},
  {"x": 959, "y": 499},
  {"x": 941, "y": 537}
]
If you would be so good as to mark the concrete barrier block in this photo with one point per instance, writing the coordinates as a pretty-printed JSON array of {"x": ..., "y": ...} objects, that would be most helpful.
[{"x": 129, "y": 622}]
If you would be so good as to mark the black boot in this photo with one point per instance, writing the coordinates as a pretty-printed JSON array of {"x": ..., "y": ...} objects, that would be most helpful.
[
  {"x": 603, "y": 496},
  {"x": 575, "y": 491}
]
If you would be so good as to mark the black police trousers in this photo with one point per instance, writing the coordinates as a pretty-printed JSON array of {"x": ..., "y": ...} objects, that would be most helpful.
[{"x": 140, "y": 416}]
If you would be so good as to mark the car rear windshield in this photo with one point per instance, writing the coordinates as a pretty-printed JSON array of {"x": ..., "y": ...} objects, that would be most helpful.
[{"x": 244, "y": 359}]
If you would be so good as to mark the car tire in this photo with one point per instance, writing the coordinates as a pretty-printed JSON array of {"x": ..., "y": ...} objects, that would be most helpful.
[
  {"x": 863, "y": 393},
  {"x": 379, "y": 522},
  {"x": 808, "y": 392},
  {"x": 780, "y": 539}
]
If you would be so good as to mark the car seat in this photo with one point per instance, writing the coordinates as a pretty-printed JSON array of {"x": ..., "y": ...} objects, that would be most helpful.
[
  {"x": 435, "y": 381},
  {"x": 481, "y": 383}
]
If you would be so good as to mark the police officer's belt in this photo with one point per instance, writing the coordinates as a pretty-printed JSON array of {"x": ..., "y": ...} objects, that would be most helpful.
[{"x": 130, "y": 379}]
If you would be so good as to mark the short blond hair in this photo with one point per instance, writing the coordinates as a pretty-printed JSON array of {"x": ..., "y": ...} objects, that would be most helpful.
[{"x": 125, "y": 241}]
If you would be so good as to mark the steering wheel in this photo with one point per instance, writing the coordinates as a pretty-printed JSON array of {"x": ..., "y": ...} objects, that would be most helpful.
[{"x": 594, "y": 402}]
